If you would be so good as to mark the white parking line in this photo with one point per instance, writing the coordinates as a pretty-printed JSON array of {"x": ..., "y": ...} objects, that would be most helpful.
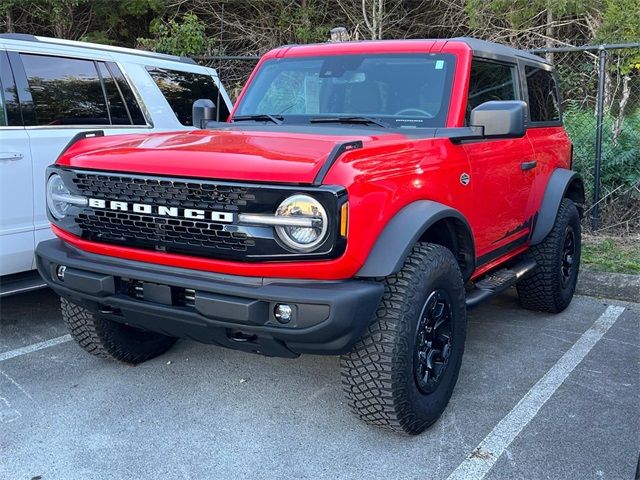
[
  {"x": 486, "y": 454},
  {"x": 34, "y": 347}
]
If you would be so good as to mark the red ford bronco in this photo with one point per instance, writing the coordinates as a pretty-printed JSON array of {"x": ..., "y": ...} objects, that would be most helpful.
[{"x": 360, "y": 198}]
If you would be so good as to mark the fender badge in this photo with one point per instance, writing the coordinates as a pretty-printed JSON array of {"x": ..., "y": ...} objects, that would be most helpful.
[{"x": 465, "y": 179}]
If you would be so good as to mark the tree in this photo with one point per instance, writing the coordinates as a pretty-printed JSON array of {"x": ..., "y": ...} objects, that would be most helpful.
[{"x": 184, "y": 38}]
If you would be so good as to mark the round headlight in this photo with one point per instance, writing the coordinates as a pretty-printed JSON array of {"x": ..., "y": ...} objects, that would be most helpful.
[
  {"x": 312, "y": 226},
  {"x": 56, "y": 190}
]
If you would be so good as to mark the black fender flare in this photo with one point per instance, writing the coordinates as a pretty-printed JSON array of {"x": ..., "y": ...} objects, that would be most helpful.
[
  {"x": 562, "y": 183},
  {"x": 406, "y": 228}
]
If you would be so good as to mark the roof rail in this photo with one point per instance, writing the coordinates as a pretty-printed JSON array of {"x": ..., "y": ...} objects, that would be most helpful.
[
  {"x": 498, "y": 49},
  {"x": 25, "y": 37}
]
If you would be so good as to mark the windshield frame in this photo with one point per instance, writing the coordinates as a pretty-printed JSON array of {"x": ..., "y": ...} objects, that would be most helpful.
[{"x": 392, "y": 121}]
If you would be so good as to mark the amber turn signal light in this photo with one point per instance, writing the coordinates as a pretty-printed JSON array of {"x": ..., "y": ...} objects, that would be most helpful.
[{"x": 344, "y": 219}]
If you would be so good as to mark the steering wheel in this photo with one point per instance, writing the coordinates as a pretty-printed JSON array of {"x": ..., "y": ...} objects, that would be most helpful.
[{"x": 408, "y": 111}]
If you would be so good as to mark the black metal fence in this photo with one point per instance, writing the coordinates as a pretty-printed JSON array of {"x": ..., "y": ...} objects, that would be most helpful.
[{"x": 600, "y": 88}]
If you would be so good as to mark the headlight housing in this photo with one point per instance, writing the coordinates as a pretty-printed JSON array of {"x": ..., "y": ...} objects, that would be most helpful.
[
  {"x": 308, "y": 211},
  {"x": 59, "y": 198}
]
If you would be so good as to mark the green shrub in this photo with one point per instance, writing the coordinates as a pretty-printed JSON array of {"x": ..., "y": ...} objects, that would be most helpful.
[
  {"x": 186, "y": 37},
  {"x": 620, "y": 156}
]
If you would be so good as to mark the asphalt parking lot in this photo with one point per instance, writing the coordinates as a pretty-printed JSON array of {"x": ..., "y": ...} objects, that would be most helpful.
[{"x": 539, "y": 397}]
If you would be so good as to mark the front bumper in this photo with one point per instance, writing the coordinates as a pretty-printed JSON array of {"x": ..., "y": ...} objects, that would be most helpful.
[{"x": 227, "y": 310}]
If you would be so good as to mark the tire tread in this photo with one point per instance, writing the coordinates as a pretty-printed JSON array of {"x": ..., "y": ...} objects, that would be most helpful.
[
  {"x": 110, "y": 340},
  {"x": 541, "y": 289}
]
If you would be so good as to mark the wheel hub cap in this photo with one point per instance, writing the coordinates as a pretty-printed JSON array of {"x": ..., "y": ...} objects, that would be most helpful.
[
  {"x": 433, "y": 341},
  {"x": 568, "y": 254}
]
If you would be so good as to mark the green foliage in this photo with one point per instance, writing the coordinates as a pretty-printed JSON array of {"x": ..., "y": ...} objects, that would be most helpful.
[
  {"x": 177, "y": 38},
  {"x": 521, "y": 14},
  {"x": 302, "y": 24},
  {"x": 620, "y": 156},
  {"x": 620, "y": 24},
  {"x": 122, "y": 22}
]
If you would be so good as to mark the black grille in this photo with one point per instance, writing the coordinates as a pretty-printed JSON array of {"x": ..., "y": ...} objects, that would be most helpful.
[
  {"x": 159, "y": 232},
  {"x": 164, "y": 192},
  {"x": 162, "y": 233}
]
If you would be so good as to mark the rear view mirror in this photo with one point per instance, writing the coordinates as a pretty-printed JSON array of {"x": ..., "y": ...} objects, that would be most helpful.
[
  {"x": 203, "y": 110},
  {"x": 500, "y": 119}
]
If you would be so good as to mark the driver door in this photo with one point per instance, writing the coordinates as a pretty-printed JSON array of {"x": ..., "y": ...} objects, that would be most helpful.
[{"x": 500, "y": 173}]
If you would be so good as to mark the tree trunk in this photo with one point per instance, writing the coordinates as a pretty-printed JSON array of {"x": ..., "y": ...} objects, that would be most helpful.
[
  {"x": 550, "y": 31},
  {"x": 616, "y": 129},
  {"x": 375, "y": 22},
  {"x": 9, "y": 20}
]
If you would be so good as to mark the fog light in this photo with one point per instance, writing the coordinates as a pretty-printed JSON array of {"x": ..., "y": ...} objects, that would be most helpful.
[
  {"x": 60, "y": 272},
  {"x": 283, "y": 312}
]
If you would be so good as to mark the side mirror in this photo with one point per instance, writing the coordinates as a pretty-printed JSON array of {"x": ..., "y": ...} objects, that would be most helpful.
[
  {"x": 203, "y": 110},
  {"x": 500, "y": 119}
]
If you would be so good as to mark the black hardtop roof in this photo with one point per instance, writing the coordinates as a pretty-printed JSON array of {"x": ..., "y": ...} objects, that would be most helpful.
[
  {"x": 484, "y": 48},
  {"x": 481, "y": 48}
]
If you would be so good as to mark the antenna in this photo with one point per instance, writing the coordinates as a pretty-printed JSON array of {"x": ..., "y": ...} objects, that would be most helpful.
[{"x": 220, "y": 63}]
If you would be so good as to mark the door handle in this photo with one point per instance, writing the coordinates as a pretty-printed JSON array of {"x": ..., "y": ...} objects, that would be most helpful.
[
  {"x": 528, "y": 165},
  {"x": 10, "y": 156}
]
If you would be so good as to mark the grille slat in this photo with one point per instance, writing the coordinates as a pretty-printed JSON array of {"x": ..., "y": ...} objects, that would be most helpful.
[{"x": 164, "y": 192}]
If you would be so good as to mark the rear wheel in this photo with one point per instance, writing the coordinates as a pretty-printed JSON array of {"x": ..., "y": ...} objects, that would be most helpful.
[
  {"x": 402, "y": 373},
  {"x": 108, "y": 339},
  {"x": 550, "y": 287}
]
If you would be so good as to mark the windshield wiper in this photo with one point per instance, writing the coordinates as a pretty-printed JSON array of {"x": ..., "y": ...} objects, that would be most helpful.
[
  {"x": 277, "y": 119},
  {"x": 348, "y": 119}
]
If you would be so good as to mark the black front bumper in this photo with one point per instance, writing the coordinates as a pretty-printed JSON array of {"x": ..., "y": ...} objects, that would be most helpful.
[{"x": 227, "y": 310}]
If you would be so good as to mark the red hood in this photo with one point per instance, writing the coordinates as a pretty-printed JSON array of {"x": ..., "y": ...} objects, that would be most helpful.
[{"x": 271, "y": 156}]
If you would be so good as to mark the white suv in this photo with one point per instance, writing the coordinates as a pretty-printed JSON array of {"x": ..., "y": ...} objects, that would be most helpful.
[{"x": 50, "y": 91}]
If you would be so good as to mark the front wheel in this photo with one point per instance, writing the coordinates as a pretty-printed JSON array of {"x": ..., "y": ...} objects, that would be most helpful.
[{"x": 401, "y": 374}]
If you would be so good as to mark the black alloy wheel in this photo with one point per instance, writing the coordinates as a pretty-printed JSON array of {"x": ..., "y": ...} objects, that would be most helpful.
[
  {"x": 433, "y": 341},
  {"x": 568, "y": 256}
]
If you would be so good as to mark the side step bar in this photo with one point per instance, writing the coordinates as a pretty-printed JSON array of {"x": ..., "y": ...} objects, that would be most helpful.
[
  {"x": 20, "y": 283},
  {"x": 498, "y": 281}
]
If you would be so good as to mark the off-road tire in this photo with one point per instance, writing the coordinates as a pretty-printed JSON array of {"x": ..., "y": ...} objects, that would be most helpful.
[
  {"x": 108, "y": 339},
  {"x": 543, "y": 289},
  {"x": 378, "y": 374}
]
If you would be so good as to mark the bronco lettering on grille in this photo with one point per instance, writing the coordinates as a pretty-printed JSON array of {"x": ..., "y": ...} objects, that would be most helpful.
[{"x": 161, "y": 210}]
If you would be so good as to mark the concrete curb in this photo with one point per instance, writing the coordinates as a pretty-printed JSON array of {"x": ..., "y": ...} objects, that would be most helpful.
[{"x": 621, "y": 286}]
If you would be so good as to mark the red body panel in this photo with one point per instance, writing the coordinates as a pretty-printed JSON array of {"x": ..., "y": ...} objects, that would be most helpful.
[
  {"x": 224, "y": 155},
  {"x": 390, "y": 171},
  {"x": 501, "y": 191}
]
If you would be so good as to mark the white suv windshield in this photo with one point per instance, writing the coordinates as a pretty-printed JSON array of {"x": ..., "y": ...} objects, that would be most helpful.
[{"x": 398, "y": 90}]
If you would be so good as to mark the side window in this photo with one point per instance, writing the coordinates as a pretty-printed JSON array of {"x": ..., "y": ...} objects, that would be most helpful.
[
  {"x": 181, "y": 89},
  {"x": 65, "y": 91},
  {"x": 489, "y": 81},
  {"x": 117, "y": 107},
  {"x": 3, "y": 112},
  {"x": 122, "y": 113},
  {"x": 10, "y": 106},
  {"x": 130, "y": 102},
  {"x": 543, "y": 95},
  {"x": 3, "y": 115}
]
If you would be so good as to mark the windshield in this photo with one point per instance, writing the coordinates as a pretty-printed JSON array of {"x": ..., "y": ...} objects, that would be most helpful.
[{"x": 396, "y": 90}]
